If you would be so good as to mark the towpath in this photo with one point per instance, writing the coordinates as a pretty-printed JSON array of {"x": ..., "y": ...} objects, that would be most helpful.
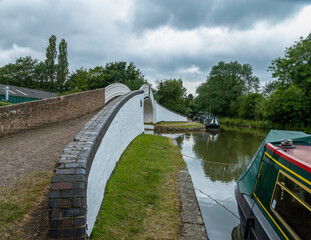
[{"x": 36, "y": 149}]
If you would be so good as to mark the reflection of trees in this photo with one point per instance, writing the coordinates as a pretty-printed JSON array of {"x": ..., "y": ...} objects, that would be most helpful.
[
  {"x": 229, "y": 148},
  {"x": 180, "y": 140}
]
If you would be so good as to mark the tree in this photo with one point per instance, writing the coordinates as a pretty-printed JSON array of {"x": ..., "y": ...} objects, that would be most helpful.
[
  {"x": 41, "y": 77},
  {"x": 62, "y": 66},
  {"x": 78, "y": 81},
  {"x": 224, "y": 84},
  {"x": 97, "y": 78},
  {"x": 247, "y": 106},
  {"x": 21, "y": 73},
  {"x": 171, "y": 94},
  {"x": 121, "y": 73},
  {"x": 270, "y": 87},
  {"x": 287, "y": 106},
  {"x": 295, "y": 66},
  {"x": 51, "y": 54}
]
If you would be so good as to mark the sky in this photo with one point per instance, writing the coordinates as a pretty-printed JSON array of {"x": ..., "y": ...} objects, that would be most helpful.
[{"x": 164, "y": 38}]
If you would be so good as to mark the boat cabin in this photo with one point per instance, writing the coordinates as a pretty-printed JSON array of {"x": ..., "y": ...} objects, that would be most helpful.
[{"x": 274, "y": 192}]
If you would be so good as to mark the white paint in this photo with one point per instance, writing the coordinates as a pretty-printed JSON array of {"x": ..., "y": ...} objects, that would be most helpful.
[
  {"x": 127, "y": 124},
  {"x": 115, "y": 90},
  {"x": 166, "y": 115},
  {"x": 156, "y": 112},
  {"x": 150, "y": 115},
  {"x": 148, "y": 111}
]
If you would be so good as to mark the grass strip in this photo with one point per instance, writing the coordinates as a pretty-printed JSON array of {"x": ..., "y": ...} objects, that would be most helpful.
[
  {"x": 141, "y": 199},
  {"x": 170, "y": 123},
  {"x": 267, "y": 125},
  {"x": 180, "y": 124},
  {"x": 16, "y": 201},
  {"x": 4, "y": 104},
  {"x": 194, "y": 125}
]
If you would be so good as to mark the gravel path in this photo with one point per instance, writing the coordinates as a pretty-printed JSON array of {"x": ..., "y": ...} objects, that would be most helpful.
[{"x": 36, "y": 149}]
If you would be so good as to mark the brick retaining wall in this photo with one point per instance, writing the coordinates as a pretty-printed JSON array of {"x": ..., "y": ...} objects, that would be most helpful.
[
  {"x": 76, "y": 183},
  {"x": 14, "y": 118}
]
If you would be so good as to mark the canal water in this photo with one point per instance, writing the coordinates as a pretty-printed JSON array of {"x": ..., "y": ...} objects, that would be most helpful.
[{"x": 215, "y": 161}]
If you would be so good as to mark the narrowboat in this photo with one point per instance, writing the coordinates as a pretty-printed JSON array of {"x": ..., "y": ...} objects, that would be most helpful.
[
  {"x": 211, "y": 122},
  {"x": 273, "y": 193}
]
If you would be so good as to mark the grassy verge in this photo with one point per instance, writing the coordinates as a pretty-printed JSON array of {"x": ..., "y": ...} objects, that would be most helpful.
[
  {"x": 255, "y": 131},
  {"x": 17, "y": 201},
  {"x": 141, "y": 199},
  {"x": 170, "y": 123},
  {"x": 262, "y": 124},
  {"x": 4, "y": 104},
  {"x": 187, "y": 125}
]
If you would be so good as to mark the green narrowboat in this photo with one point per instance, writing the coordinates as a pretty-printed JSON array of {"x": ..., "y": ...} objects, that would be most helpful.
[
  {"x": 211, "y": 122},
  {"x": 274, "y": 192}
]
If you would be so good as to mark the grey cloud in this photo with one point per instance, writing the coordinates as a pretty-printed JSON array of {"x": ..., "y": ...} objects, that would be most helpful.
[
  {"x": 186, "y": 14},
  {"x": 30, "y": 25}
]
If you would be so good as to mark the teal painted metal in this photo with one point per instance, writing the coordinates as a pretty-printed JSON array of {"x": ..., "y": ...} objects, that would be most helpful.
[
  {"x": 246, "y": 182},
  {"x": 13, "y": 99},
  {"x": 279, "y": 185}
]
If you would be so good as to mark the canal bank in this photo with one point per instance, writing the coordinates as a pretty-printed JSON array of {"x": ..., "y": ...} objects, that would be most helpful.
[
  {"x": 178, "y": 127},
  {"x": 150, "y": 195}
]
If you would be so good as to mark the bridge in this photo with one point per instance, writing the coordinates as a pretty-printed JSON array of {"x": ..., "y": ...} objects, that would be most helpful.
[{"x": 86, "y": 164}]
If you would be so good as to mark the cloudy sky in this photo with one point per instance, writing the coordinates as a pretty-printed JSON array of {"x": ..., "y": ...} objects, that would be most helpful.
[{"x": 164, "y": 38}]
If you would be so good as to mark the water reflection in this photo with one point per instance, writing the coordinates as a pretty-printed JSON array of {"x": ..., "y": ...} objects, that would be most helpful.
[{"x": 215, "y": 161}]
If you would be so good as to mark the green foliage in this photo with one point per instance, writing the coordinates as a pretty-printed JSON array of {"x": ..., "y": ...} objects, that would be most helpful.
[
  {"x": 25, "y": 72},
  {"x": 225, "y": 83},
  {"x": 51, "y": 54},
  {"x": 270, "y": 87},
  {"x": 78, "y": 81},
  {"x": 96, "y": 78},
  {"x": 291, "y": 101},
  {"x": 247, "y": 105},
  {"x": 287, "y": 106},
  {"x": 295, "y": 66},
  {"x": 171, "y": 94},
  {"x": 49, "y": 76},
  {"x": 100, "y": 77},
  {"x": 4, "y": 104},
  {"x": 121, "y": 73},
  {"x": 62, "y": 66},
  {"x": 239, "y": 122}
]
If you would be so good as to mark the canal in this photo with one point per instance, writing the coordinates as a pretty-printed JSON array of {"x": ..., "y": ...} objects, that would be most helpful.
[{"x": 215, "y": 161}]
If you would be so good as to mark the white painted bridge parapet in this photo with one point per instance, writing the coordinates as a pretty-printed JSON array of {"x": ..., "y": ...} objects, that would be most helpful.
[{"x": 115, "y": 90}]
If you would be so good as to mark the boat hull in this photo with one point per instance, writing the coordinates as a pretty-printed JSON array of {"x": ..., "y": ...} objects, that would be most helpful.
[
  {"x": 252, "y": 218},
  {"x": 212, "y": 126}
]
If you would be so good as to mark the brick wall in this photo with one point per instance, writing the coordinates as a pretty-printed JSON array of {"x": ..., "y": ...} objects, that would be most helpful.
[
  {"x": 14, "y": 118},
  {"x": 87, "y": 163}
]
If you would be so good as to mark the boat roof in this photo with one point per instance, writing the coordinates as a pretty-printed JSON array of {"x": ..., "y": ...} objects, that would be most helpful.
[{"x": 300, "y": 155}]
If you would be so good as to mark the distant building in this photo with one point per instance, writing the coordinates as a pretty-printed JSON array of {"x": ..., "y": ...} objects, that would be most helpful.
[{"x": 20, "y": 94}]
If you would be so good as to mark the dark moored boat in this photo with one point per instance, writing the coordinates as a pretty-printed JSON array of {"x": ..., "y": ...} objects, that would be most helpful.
[
  {"x": 212, "y": 122},
  {"x": 274, "y": 191}
]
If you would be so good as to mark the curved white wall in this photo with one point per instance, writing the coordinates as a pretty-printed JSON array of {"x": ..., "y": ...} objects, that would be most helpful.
[
  {"x": 148, "y": 111},
  {"x": 126, "y": 125},
  {"x": 148, "y": 97},
  {"x": 166, "y": 115},
  {"x": 115, "y": 90}
]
